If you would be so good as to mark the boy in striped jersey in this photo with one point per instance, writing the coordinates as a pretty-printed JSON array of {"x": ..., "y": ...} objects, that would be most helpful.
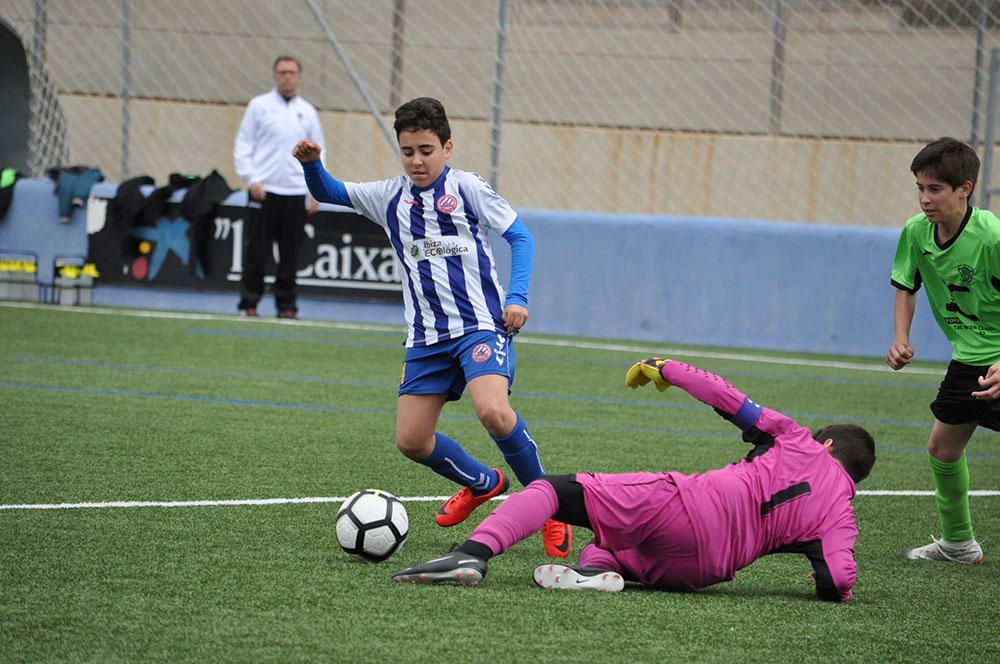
[
  {"x": 460, "y": 322},
  {"x": 953, "y": 249}
]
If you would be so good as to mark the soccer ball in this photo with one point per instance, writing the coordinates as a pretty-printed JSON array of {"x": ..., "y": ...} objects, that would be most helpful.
[{"x": 372, "y": 525}]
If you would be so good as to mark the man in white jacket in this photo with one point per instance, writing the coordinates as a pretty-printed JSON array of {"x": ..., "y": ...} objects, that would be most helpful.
[{"x": 272, "y": 124}]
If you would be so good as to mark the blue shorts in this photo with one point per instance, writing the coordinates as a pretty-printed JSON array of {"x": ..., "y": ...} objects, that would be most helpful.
[{"x": 447, "y": 366}]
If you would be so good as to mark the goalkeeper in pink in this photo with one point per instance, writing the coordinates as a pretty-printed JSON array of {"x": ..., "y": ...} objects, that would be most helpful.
[{"x": 668, "y": 530}]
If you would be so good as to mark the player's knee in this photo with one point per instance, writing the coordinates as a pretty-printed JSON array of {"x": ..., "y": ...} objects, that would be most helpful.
[
  {"x": 948, "y": 448},
  {"x": 933, "y": 448},
  {"x": 413, "y": 447},
  {"x": 945, "y": 452},
  {"x": 498, "y": 420}
]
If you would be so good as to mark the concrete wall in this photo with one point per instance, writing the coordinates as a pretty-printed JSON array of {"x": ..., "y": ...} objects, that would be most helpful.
[
  {"x": 665, "y": 280},
  {"x": 608, "y": 107},
  {"x": 842, "y": 182}
]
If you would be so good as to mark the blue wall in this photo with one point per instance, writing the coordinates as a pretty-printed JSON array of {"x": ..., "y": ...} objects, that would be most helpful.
[
  {"x": 667, "y": 280},
  {"x": 32, "y": 224},
  {"x": 723, "y": 282}
]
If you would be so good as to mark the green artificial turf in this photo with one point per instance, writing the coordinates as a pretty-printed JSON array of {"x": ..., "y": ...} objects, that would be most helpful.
[{"x": 104, "y": 406}]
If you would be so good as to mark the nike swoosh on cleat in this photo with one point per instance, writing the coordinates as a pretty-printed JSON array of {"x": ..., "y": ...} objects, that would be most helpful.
[{"x": 563, "y": 546}]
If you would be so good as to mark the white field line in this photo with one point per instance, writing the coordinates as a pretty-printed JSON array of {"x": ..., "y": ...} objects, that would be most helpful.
[
  {"x": 187, "y": 315},
  {"x": 340, "y": 499},
  {"x": 637, "y": 349}
]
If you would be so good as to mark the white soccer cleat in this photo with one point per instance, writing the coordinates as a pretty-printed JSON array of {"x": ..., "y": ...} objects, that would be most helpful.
[
  {"x": 968, "y": 552},
  {"x": 564, "y": 577}
]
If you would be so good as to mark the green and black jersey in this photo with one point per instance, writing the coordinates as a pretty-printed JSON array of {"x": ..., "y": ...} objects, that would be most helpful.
[{"x": 962, "y": 279}]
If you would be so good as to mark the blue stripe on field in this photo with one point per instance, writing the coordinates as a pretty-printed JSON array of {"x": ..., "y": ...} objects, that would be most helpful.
[
  {"x": 195, "y": 371},
  {"x": 799, "y": 415},
  {"x": 191, "y": 397},
  {"x": 340, "y": 381},
  {"x": 391, "y": 411},
  {"x": 277, "y": 335},
  {"x": 900, "y": 380}
]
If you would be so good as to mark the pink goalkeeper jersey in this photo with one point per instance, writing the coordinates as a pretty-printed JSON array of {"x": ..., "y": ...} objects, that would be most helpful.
[{"x": 795, "y": 497}]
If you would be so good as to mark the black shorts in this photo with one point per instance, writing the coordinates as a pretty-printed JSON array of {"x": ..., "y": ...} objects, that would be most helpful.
[
  {"x": 954, "y": 403},
  {"x": 572, "y": 509}
]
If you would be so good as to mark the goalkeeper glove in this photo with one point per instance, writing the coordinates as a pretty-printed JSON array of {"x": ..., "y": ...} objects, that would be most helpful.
[{"x": 647, "y": 371}]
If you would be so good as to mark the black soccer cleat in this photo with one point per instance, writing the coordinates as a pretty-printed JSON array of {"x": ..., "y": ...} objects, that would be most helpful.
[{"x": 454, "y": 568}]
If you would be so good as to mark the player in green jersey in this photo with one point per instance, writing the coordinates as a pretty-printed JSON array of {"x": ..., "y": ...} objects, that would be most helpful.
[{"x": 953, "y": 250}]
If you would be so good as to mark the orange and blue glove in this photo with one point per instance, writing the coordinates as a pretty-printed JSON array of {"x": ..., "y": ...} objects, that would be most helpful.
[{"x": 647, "y": 371}]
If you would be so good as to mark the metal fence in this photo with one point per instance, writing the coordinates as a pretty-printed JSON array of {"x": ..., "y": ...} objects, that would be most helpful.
[{"x": 804, "y": 110}]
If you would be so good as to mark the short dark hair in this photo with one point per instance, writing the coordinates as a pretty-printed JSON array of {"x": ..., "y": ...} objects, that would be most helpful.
[
  {"x": 423, "y": 113},
  {"x": 283, "y": 58},
  {"x": 949, "y": 160},
  {"x": 853, "y": 447}
]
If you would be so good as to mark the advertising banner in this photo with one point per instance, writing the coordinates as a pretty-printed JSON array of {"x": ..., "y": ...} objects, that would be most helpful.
[{"x": 342, "y": 253}]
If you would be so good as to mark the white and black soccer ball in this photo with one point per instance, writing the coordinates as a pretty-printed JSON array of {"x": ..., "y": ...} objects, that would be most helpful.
[{"x": 372, "y": 525}]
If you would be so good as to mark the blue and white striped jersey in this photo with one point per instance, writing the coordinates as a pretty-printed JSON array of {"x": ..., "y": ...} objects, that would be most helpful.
[{"x": 450, "y": 285}]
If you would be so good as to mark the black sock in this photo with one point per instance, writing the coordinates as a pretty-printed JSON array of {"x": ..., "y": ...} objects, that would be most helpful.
[{"x": 476, "y": 549}]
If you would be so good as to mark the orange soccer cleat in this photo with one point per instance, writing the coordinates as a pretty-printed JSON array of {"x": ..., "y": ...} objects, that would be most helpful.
[
  {"x": 458, "y": 508},
  {"x": 557, "y": 538}
]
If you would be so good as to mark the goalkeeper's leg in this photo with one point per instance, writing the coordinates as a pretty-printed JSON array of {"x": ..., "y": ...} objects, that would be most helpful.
[
  {"x": 594, "y": 557},
  {"x": 518, "y": 517}
]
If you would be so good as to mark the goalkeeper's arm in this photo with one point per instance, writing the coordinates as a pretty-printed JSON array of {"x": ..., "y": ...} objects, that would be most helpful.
[
  {"x": 834, "y": 571},
  {"x": 710, "y": 389}
]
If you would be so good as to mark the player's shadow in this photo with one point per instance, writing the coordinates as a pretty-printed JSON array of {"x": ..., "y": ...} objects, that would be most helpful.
[{"x": 745, "y": 592}]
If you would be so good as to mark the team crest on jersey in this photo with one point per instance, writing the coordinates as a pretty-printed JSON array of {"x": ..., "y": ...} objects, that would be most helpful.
[
  {"x": 966, "y": 273},
  {"x": 446, "y": 204},
  {"x": 481, "y": 353}
]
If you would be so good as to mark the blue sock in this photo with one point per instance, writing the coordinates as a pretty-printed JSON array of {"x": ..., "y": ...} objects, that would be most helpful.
[
  {"x": 449, "y": 460},
  {"x": 521, "y": 453}
]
